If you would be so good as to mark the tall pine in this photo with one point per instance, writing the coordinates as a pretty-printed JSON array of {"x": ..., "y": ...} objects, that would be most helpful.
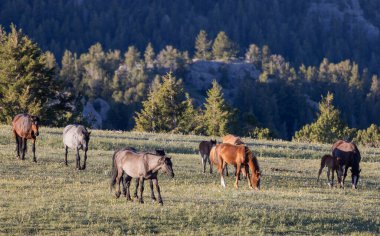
[
  {"x": 216, "y": 116},
  {"x": 202, "y": 46}
]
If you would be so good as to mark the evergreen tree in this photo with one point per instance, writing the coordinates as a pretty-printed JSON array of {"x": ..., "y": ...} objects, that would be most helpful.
[
  {"x": 202, "y": 46},
  {"x": 165, "y": 108},
  {"x": 216, "y": 114},
  {"x": 132, "y": 58},
  {"x": 27, "y": 83},
  {"x": 149, "y": 56},
  {"x": 328, "y": 127},
  {"x": 223, "y": 49},
  {"x": 253, "y": 55}
]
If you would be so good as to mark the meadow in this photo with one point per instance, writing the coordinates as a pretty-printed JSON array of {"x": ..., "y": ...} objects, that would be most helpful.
[{"x": 49, "y": 198}]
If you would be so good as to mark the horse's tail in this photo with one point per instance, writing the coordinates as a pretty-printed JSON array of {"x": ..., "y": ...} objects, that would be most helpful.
[
  {"x": 323, "y": 164},
  {"x": 113, "y": 171}
]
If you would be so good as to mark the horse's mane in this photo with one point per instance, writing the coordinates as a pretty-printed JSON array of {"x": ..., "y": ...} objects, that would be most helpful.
[{"x": 250, "y": 154}]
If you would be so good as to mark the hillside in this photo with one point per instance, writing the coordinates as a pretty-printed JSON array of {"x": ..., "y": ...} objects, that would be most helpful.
[
  {"x": 303, "y": 31},
  {"x": 50, "y": 198}
]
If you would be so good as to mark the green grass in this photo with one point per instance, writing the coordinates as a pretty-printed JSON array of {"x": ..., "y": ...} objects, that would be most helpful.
[{"x": 50, "y": 198}]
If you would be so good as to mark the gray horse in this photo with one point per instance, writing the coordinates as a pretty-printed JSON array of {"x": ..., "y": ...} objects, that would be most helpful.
[{"x": 76, "y": 137}]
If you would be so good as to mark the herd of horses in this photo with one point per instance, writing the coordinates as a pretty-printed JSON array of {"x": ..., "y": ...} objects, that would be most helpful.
[{"x": 128, "y": 163}]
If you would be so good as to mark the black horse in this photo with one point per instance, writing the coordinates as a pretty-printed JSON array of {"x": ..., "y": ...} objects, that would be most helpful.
[
  {"x": 204, "y": 151},
  {"x": 347, "y": 155}
]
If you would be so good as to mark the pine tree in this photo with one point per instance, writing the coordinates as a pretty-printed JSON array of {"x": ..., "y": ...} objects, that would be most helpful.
[
  {"x": 27, "y": 80},
  {"x": 253, "y": 55},
  {"x": 132, "y": 58},
  {"x": 216, "y": 115},
  {"x": 328, "y": 127},
  {"x": 149, "y": 56},
  {"x": 202, "y": 46},
  {"x": 165, "y": 108},
  {"x": 223, "y": 49}
]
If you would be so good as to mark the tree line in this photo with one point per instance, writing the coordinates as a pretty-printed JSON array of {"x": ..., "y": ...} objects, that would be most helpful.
[{"x": 151, "y": 91}]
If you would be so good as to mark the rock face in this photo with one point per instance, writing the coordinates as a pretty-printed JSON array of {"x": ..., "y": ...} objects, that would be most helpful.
[
  {"x": 95, "y": 112},
  {"x": 201, "y": 74}
]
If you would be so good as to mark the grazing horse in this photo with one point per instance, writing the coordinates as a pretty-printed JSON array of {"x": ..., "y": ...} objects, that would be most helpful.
[
  {"x": 332, "y": 165},
  {"x": 76, "y": 137},
  {"x": 204, "y": 150},
  {"x": 232, "y": 139},
  {"x": 241, "y": 157},
  {"x": 25, "y": 127},
  {"x": 138, "y": 165},
  {"x": 347, "y": 155}
]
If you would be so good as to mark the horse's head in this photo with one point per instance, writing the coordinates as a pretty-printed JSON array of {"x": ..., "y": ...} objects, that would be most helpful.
[
  {"x": 256, "y": 179},
  {"x": 167, "y": 165},
  {"x": 213, "y": 142},
  {"x": 86, "y": 139},
  {"x": 355, "y": 178},
  {"x": 35, "y": 121}
]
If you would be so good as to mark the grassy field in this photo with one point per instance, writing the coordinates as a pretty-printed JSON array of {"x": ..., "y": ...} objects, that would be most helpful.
[{"x": 50, "y": 198}]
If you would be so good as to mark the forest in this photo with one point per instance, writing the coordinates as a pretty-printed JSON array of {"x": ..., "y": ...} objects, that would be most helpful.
[{"x": 120, "y": 52}]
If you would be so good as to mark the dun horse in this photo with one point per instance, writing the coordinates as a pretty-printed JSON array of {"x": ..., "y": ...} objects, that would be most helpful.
[
  {"x": 232, "y": 139},
  {"x": 25, "y": 127},
  {"x": 76, "y": 137},
  {"x": 241, "y": 157},
  {"x": 138, "y": 165},
  {"x": 347, "y": 155},
  {"x": 204, "y": 151},
  {"x": 332, "y": 165}
]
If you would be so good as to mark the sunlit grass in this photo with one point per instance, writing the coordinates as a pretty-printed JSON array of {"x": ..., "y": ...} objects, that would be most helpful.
[{"x": 50, "y": 198}]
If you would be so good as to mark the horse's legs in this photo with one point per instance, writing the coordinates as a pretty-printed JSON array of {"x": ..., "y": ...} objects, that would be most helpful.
[
  {"x": 222, "y": 166},
  {"x": 204, "y": 163},
  {"x": 226, "y": 170},
  {"x": 237, "y": 174},
  {"x": 158, "y": 191},
  {"x": 17, "y": 145},
  {"x": 66, "y": 152},
  {"x": 152, "y": 190},
  {"x": 118, "y": 177},
  {"x": 34, "y": 150},
  {"x": 246, "y": 175},
  {"x": 128, "y": 184},
  {"x": 209, "y": 162},
  {"x": 344, "y": 176},
  {"x": 330, "y": 183},
  {"x": 85, "y": 158},
  {"x": 23, "y": 148},
  {"x": 137, "y": 187},
  {"x": 124, "y": 183},
  {"x": 78, "y": 160},
  {"x": 141, "y": 189}
]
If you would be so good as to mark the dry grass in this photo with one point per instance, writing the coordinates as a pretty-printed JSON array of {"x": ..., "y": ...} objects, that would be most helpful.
[{"x": 50, "y": 198}]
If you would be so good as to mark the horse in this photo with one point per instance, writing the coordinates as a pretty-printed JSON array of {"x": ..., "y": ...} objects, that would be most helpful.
[
  {"x": 25, "y": 127},
  {"x": 232, "y": 139},
  {"x": 235, "y": 140},
  {"x": 204, "y": 151},
  {"x": 138, "y": 165},
  {"x": 332, "y": 165},
  {"x": 347, "y": 155},
  {"x": 76, "y": 137},
  {"x": 241, "y": 157}
]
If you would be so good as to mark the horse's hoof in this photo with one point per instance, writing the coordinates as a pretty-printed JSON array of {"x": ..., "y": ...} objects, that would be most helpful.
[
  {"x": 83, "y": 168},
  {"x": 161, "y": 203},
  {"x": 154, "y": 199},
  {"x": 117, "y": 194},
  {"x": 129, "y": 199},
  {"x": 141, "y": 201}
]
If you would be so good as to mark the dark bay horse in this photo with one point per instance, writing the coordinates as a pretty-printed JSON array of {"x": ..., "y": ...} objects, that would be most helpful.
[
  {"x": 241, "y": 157},
  {"x": 25, "y": 127},
  {"x": 332, "y": 165},
  {"x": 204, "y": 151},
  {"x": 347, "y": 155},
  {"x": 138, "y": 165},
  {"x": 76, "y": 137}
]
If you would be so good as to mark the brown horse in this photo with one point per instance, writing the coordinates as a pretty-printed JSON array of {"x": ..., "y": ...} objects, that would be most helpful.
[
  {"x": 332, "y": 165},
  {"x": 138, "y": 165},
  {"x": 232, "y": 139},
  {"x": 347, "y": 155},
  {"x": 241, "y": 157},
  {"x": 204, "y": 151},
  {"x": 25, "y": 127}
]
